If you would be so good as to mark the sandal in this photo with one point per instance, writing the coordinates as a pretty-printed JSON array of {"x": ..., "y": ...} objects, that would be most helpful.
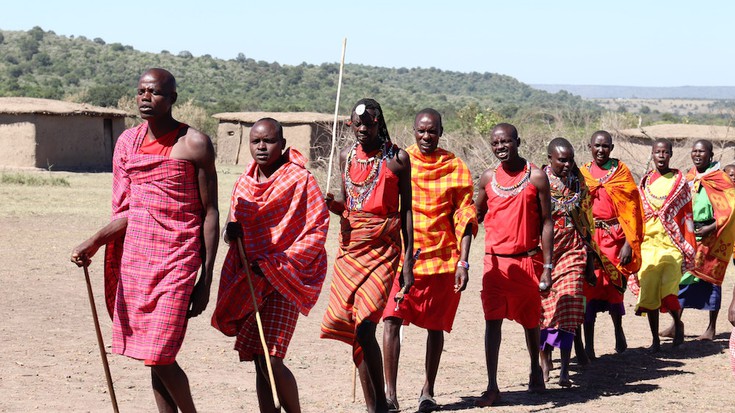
[
  {"x": 427, "y": 404},
  {"x": 392, "y": 405}
]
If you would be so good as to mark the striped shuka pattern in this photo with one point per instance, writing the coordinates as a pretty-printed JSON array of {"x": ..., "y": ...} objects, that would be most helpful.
[{"x": 367, "y": 261}]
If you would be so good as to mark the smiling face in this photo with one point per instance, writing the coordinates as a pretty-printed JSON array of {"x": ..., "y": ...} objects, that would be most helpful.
[
  {"x": 427, "y": 129},
  {"x": 701, "y": 156},
  {"x": 504, "y": 144},
  {"x": 561, "y": 161},
  {"x": 661, "y": 153},
  {"x": 266, "y": 145},
  {"x": 600, "y": 147},
  {"x": 156, "y": 93}
]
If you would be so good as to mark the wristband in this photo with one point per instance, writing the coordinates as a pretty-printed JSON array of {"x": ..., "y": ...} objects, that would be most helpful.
[
  {"x": 549, "y": 266},
  {"x": 463, "y": 264}
]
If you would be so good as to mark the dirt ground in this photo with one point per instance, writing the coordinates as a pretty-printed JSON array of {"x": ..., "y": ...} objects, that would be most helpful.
[{"x": 50, "y": 361}]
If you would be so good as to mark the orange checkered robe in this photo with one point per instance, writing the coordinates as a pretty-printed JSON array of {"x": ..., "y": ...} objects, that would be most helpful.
[{"x": 442, "y": 209}]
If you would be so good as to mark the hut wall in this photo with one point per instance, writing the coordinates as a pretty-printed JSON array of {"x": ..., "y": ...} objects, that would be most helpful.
[{"x": 17, "y": 141}]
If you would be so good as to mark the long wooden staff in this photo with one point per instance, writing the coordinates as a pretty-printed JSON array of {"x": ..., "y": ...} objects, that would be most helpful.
[
  {"x": 336, "y": 113},
  {"x": 266, "y": 353},
  {"x": 100, "y": 342}
]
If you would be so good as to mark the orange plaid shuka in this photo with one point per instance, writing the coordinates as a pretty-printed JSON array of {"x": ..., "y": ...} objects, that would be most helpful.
[
  {"x": 442, "y": 208},
  {"x": 713, "y": 252},
  {"x": 623, "y": 191}
]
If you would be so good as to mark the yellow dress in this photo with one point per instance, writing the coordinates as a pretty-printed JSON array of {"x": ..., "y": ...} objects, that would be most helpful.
[{"x": 661, "y": 260}]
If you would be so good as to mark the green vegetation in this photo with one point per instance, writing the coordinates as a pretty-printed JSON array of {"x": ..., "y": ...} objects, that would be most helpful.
[
  {"x": 31, "y": 179},
  {"x": 38, "y": 63}
]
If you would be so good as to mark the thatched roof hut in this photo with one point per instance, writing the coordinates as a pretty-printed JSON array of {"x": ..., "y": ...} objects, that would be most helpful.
[
  {"x": 634, "y": 145},
  {"x": 308, "y": 132},
  {"x": 44, "y": 133}
]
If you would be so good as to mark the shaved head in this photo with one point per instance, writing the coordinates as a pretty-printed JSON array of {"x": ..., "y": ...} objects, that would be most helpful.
[
  {"x": 559, "y": 143},
  {"x": 509, "y": 130},
  {"x": 167, "y": 79}
]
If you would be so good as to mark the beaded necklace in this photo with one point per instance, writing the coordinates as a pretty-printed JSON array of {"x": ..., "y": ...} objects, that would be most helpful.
[
  {"x": 359, "y": 192},
  {"x": 513, "y": 190},
  {"x": 564, "y": 203},
  {"x": 610, "y": 172},
  {"x": 651, "y": 194}
]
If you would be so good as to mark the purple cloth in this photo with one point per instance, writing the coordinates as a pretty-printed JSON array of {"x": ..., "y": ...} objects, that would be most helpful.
[
  {"x": 600, "y": 306},
  {"x": 701, "y": 296},
  {"x": 556, "y": 338}
]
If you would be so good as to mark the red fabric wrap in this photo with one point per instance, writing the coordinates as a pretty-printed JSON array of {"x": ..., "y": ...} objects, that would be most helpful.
[
  {"x": 284, "y": 222},
  {"x": 150, "y": 274},
  {"x": 367, "y": 261}
]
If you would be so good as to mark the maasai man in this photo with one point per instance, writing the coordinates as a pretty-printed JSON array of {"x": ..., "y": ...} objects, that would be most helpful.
[
  {"x": 668, "y": 241},
  {"x": 618, "y": 217},
  {"x": 515, "y": 204},
  {"x": 376, "y": 212},
  {"x": 445, "y": 220},
  {"x": 713, "y": 206},
  {"x": 278, "y": 211},
  {"x": 562, "y": 311},
  {"x": 164, "y": 227}
]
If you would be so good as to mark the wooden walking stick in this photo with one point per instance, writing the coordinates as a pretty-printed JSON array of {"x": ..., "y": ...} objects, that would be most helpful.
[
  {"x": 336, "y": 112},
  {"x": 266, "y": 353},
  {"x": 100, "y": 342}
]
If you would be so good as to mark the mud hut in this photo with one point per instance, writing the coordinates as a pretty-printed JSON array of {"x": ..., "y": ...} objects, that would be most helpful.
[
  {"x": 308, "y": 132},
  {"x": 51, "y": 134},
  {"x": 634, "y": 145}
]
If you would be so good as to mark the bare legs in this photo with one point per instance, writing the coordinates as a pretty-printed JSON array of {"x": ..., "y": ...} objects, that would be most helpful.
[
  {"x": 653, "y": 317},
  {"x": 171, "y": 389},
  {"x": 286, "y": 386},
  {"x": 709, "y": 333},
  {"x": 371, "y": 368},
  {"x": 392, "y": 348},
  {"x": 492, "y": 351}
]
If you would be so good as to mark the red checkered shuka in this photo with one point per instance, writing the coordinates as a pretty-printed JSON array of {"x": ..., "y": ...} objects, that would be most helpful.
[
  {"x": 285, "y": 222},
  {"x": 150, "y": 274}
]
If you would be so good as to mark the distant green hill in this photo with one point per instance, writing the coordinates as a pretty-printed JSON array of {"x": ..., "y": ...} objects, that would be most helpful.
[
  {"x": 39, "y": 63},
  {"x": 640, "y": 92}
]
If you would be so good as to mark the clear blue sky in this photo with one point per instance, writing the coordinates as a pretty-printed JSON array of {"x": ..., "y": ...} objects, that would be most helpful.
[{"x": 623, "y": 42}]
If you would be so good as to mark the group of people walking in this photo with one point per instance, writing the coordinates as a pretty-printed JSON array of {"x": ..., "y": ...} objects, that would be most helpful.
[{"x": 562, "y": 242}]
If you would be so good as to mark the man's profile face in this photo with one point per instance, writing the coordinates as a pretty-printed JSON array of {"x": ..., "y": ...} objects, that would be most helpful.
[{"x": 155, "y": 96}]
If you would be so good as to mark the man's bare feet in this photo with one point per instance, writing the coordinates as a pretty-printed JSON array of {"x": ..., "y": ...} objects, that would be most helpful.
[
  {"x": 679, "y": 335},
  {"x": 708, "y": 335},
  {"x": 655, "y": 346},
  {"x": 488, "y": 398},
  {"x": 536, "y": 382},
  {"x": 669, "y": 332},
  {"x": 591, "y": 353}
]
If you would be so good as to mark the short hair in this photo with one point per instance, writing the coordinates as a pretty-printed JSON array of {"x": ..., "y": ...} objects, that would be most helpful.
[
  {"x": 275, "y": 123},
  {"x": 168, "y": 78},
  {"x": 603, "y": 133},
  {"x": 373, "y": 104},
  {"x": 707, "y": 144},
  {"x": 559, "y": 143},
  {"x": 508, "y": 128},
  {"x": 429, "y": 111},
  {"x": 665, "y": 142},
  {"x": 731, "y": 166}
]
